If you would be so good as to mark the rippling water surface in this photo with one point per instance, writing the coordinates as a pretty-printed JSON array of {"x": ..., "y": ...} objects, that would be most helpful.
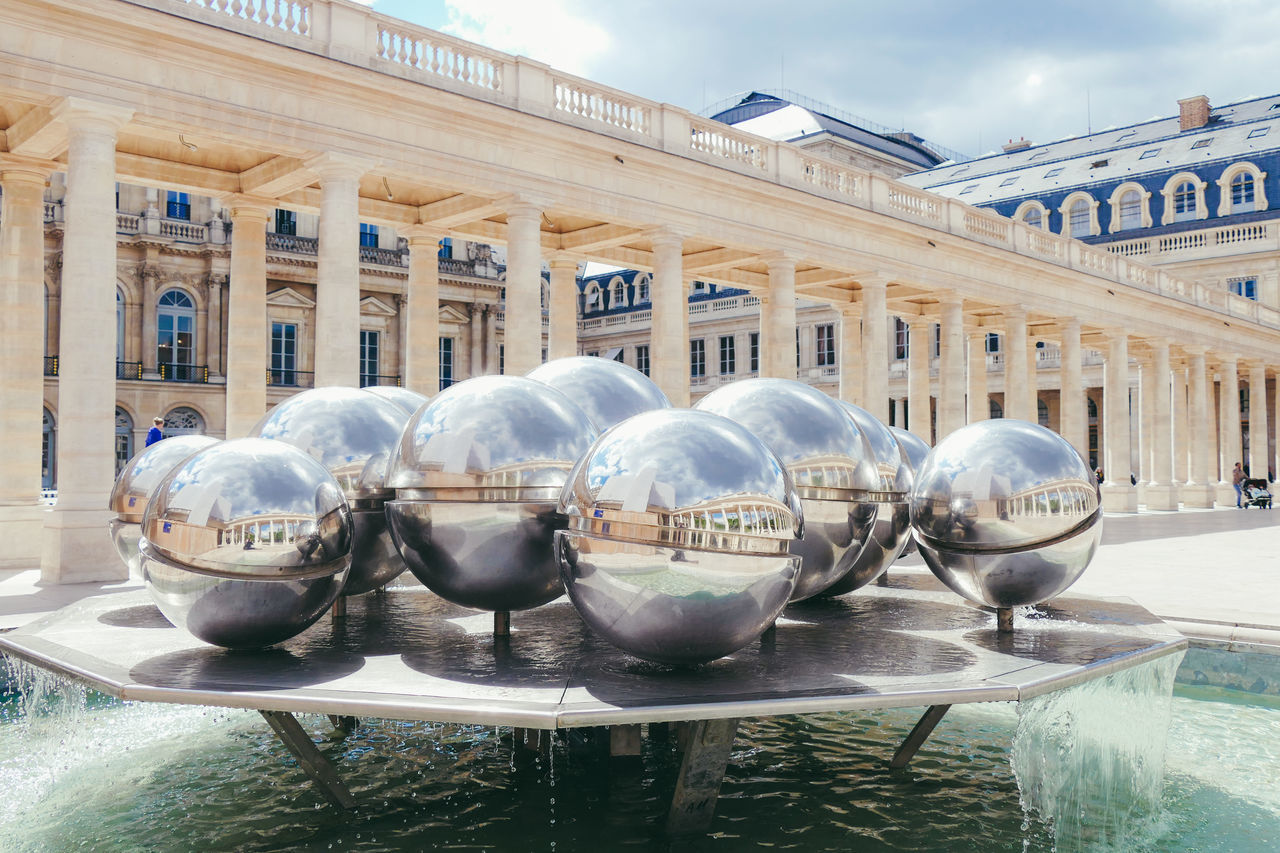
[{"x": 80, "y": 772}]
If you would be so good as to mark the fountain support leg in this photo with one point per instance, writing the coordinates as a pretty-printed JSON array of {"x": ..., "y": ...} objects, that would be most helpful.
[
  {"x": 343, "y": 723},
  {"x": 918, "y": 736},
  {"x": 312, "y": 761},
  {"x": 1004, "y": 620},
  {"x": 706, "y": 755}
]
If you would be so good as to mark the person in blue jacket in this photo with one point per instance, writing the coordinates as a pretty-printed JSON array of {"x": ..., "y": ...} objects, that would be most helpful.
[{"x": 154, "y": 434}]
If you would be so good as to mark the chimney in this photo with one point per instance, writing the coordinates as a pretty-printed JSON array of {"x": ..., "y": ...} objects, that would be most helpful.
[
  {"x": 1193, "y": 112},
  {"x": 1021, "y": 145}
]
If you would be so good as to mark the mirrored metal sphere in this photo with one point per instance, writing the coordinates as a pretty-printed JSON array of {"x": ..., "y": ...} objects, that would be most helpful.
[
  {"x": 246, "y": 543},
  {"x": 353, "y": 434},
  {"x": 408, "y": 400},
  {"x": 679, "y": 525},
  {"x": 477, "y": 474},
  {"x": 916, "y": 449},
  {"x": 892, "y": 527},
  {"x": 1006, "y": 512},
  {"x": 829, "y": 460},
  {"x": 607, "y": 390},
  {"x": 135, "y": 485}
]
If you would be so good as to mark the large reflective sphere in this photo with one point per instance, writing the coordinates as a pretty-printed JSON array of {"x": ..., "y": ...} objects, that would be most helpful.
[
  {"x": 353, "y": 434},
  {"x": 1006, "y": 512},
  {"x": 679, "y": 524},
  {"x": 892, "y": 528},
  {"x": 827, "y": 457},
  {"x": 408, "y": 400},
  {"x": 246, "y": 543},
  {"x": 477, "y": 474},
  {"x": 607, "y": 390},
  {"x": 916, "y": 449},
  {"x": 135, "y": 485}
]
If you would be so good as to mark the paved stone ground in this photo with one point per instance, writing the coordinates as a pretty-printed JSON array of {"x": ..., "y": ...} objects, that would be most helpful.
[{"x": 1214, "y": 573}]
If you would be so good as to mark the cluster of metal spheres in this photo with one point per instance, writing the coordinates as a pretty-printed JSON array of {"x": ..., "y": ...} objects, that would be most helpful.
[{"x": 678, "y": 534}]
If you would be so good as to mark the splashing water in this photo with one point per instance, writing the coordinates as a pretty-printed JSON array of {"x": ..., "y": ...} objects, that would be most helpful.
[{"x": 1089, "y": 760}]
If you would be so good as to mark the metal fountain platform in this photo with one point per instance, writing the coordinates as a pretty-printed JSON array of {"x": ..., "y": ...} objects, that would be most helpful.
[{"x": 407, "y": 654}]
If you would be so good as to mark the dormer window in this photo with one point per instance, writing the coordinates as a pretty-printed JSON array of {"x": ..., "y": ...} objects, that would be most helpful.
[
  {"x": 1053, "y": 173},
  {"x": 1098, "y": 164},
  {"x": 1150, "y": 152},
  {"x": 1202, "y": 143},
  {"x": 968, "y": 189},
  {"x": 1008, "y": 182},
  {"x": 1127, "y": 135},
  {"x": 1257, "y": 132}
]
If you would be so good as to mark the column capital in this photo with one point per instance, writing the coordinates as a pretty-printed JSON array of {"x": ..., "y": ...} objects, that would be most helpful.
[
  {"x": 420, "y": 234},
  {"x": 333, "y": 166},
  {"x": 873, "y": 282},
  {"x": 1065, "y": 323},
  {"x": 666, "y": 237},
  {"x": 780, "y": 259},
  {"x": 562, "y": 261},
  {"x": 27, "y": 169},
  {"x": 245, "y": 207},
  {"x": 950, "y": 297},
  {"x": 83, "y": 112},
  {"x": 519, "y": 208},
  {"x": 1195, "y": 349},
  {"x": 1014, "y": 311}
]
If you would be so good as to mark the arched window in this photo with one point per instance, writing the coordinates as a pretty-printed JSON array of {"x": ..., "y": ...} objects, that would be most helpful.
[
  {"x": 1042, "y": 413},
  {"x": 124, "y": 439},
  {"x": 1033, "y": 217},
  {"x": 591, "y": 298},
  {"x": 995, "y": 409},
  {"x": 119, "y": 326},
  {"x": 183, "y": 421},
  {"x": 1032, "y": 213},
  {"x": 1184, "y": 202},
  {"x": 175, "y": 334},
  {"x": 1242, "y": 197},
  {"x": 1130, "y": 210},
  {"x": 48, "y": 453},
  {"x": 618, "y": 293},
  {"x": 642, "y": 289},
  {"x": 1093, "y": 410},
  {"x": 1081, "y": 221}
]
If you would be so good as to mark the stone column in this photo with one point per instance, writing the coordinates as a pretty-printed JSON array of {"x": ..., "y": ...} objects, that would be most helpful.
[
  {"x": 76, "y": 546},
  {"x": 1144, "y": 425},
  {"x": 1199, "y": 491},
  {"x": 1178, "y": 416},
  {"x": 217, "y": 365},
  {"x": 1019, "y": 400},
  {"x": 149, "y": 273},
  {"x": 1118, "y": 494},
  {"x": 1276, "y": 426},
  {"x": 669, "y": 330},
  {"x": 1229, "y": 430},
  {"x": 337, "y": 360},
  {"x": 979, "y": 406},
  {"x": 21, "y": 358},
  {"x": 476, "y": 314},
  {"x": 875, "y": 348},
  {"x": 491, "y": 352},
  {"x": 919, "y": 343},
  {"x": 247, "y": 332},
  {"x": 951, "y": 373},
  {"x": 900, "y": 412},
  {"x": 851, "y": 355},
  {"x": 1259, "y": 455},
  {"x": 1161, "y": 493},
  {"x": 522, "y": 326},
  {"x": 1072, "y": 408},
  {"x": 562, "y": 332},
  {"x": 778, "y": 322},
  {"x": 422, "y": 338}
]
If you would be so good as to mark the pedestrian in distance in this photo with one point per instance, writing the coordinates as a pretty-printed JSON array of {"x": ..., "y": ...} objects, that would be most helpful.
[
  {"x": 1237, "y": 480},
  {"x": 155, "y": 434}
]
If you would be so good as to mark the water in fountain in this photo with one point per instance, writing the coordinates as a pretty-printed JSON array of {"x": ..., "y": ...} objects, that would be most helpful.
[{"x": 1090, "y": 759}]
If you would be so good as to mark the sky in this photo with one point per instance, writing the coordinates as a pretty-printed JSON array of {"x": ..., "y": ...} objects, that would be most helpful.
[{"x": 966, "y": 74}]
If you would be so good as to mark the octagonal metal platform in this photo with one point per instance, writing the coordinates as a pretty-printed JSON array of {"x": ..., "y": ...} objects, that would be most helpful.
[{"x": 406, "y": 654}]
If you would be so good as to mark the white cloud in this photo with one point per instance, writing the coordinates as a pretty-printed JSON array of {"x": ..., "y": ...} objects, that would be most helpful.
[{"x": 554, "y": 31}]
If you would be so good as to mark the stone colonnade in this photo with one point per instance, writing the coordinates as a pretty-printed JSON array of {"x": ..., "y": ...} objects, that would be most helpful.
[{"x": 69, "y": 540}]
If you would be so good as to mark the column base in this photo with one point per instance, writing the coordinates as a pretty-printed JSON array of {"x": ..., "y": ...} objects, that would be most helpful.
[
  {"x": 1225, "y": 494},
  {"x": 1142, "y": 492},
  {"x": 1161, "y": 497},
  {"x": 1119, "y": 498},
  {"x": 77, "y": 548},
  {"x": 22, "y": 532},
  {"x": 1198, "y": 495}
]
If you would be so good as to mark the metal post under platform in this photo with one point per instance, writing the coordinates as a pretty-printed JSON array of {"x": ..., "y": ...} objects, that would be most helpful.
[{"x": 319, "y": 770}]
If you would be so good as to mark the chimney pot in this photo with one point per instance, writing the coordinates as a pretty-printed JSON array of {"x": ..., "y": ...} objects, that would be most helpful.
[{"x": 1193, "y": 113}]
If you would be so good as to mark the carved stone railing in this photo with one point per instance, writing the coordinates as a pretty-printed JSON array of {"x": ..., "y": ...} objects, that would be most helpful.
[
  {"x": 605, "y": 106},
  {"x": 440, "y": 56},
  {"x": 718, "y": 140},
  {"x": 127, "y": 223},
  {"x": 383, "y": 257},
  {"x": 834, "y": 178},
  {"x": 288, "y": 16},
  {"x": 1194, "y": 243},
  {"x": 292, "y": 243}
]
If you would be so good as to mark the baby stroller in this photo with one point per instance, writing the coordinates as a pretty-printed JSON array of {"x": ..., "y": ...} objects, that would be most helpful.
[{"x": 1254, "y": 493}]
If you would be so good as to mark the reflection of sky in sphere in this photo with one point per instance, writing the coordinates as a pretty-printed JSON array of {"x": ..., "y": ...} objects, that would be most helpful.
[
  {"x": 915, "y": 446},
  {"x": 248, "y": 477},
  {"x": 516, "y": 420},
  {"x": 702, "y": 457},
  {"x": 338, "y": 426},
  {"x": 607, "y": 390},
  {"x": 146, "y": 470},
  {"x": 1021, "y": 454}
]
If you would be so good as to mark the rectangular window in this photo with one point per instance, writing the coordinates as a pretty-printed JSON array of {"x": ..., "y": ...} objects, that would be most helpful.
[
  {"x": 286, "y": 221},
  {"x": 728, "y": 356},
  {"x": 1202, "y": 143},
  {"x": 368, "y": 357},
  {"x": 177, "y": 206},
  {"x": 642, "y": 359},
  {"x": 993, "y": 342},
  {"x": 1246, "y": 287},
  {"x": 502, "y": 358},
  {"x": 368, "y": 235},
  {"x": 697, "y": 358},
  {"x": 446, "y": 363},
  {"x": 826, "y": 344},
  {"x": 899, "y": 339},
  {"x": 445, "y": 249},
  {"x": 284, "y": 354},
  {"x": 937, "y": 340},
  {"x": 753, "y": 344},
  {"x": 1184, "y": 202},
  {"x": 1150, "y": 152}
]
